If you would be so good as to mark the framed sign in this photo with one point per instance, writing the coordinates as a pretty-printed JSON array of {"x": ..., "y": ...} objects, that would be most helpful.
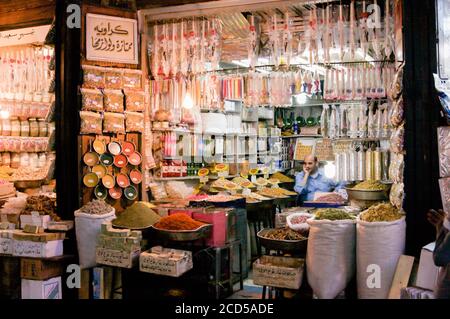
[{"x": 111, "y": 39}]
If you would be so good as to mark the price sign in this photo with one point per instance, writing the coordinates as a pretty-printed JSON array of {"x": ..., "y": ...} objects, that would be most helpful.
[
  {"x": 265, "y": 171},
  {"x": 246, "y": 191}
]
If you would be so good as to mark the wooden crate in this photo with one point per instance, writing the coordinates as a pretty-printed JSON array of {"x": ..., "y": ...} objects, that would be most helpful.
[
  {"x": 281, "y": 272},
  {"x": 40, "y": 269},
  {"x": 162, "y": 264}
]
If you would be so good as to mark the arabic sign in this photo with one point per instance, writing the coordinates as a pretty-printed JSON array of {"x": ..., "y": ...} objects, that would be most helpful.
[
  {"x": 23, "y": 36},
  {"x": 111, "y": 39}
]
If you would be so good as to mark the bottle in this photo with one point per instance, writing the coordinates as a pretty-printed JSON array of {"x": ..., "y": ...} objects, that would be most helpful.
[
  {"x": 24, "y": 128},
  {"x": 15, "y": 160},
  {"x": 6, "y": 159},
  {"x": 43, "y": 128},
  {"x": 6, "y": 127},
  {"x": 361, "y": 164},
  {"x": 34, "y": 127},
  {"x": 15, "y": 126}
]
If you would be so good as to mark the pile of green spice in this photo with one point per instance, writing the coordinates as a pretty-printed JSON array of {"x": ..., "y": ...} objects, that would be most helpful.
[
  {"x": 332, "y": 214},
  {"x": 137, "y": 216}
]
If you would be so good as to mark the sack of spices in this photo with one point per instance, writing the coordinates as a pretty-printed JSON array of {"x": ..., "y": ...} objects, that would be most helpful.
[
  {"x": 88, "y": 222},
  {"x": 134, "y": 122},
  {"x": 93, "y": 77},
  {"x": 134, "y": 100},
  {"x": 91, "y": 123},
  {"x": 113, "y": 123},
  {"x": 379, "y": 243},
  {"x": 113, "y": 100},
  {"x": 330, "y": 257},
  {"x": 113, "y": 78},
  {"x": 92, "y": 100},
  {"x": 132, "y": 79}
]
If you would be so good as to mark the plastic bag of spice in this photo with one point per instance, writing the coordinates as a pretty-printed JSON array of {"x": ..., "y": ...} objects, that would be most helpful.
[
  {"x": 113, "y": 100},
  {"x": 114, "y": 123},
  {"x": 381, "y": 244},
  {"x": 113, "y": 78},
  {"x": 134, "y": 122},
  {"x": 91, "y": 123},
  {"x": 330, "y": 257},
  {"x": 134, "y": 100},
  {"x": 92, "y": 100},
  {"x": 93, "y": 77},
  {"x": 132, "y": 79}
]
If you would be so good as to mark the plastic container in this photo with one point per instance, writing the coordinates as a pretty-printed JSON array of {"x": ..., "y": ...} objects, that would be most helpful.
[
  {"x": 24, "y": 128},
  {"x": 43, "y": 128},
  {"x": 34, "y": 127},
  {"x": 15, "y": 126}
]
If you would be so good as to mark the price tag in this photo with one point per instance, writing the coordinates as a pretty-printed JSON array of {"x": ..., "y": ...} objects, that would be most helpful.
[
  {"x": 259, "y": 188},
  {"x": 265, "y": 171},
  {"x": 204, "y": 179},
  {"x": 232, "y": 191},
  {"x": 246, "y": 191},
  {"x": 222, "y": 174},
  {"x": 275, "y": 186},
  {"x": 253, "y": 179}
]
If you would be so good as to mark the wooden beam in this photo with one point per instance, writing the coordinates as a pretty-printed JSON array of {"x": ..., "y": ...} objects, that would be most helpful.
[{"x": 401, "y": 276}]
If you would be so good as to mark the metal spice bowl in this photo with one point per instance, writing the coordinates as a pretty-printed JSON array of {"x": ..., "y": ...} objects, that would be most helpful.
[
  {"x": 358, "y": 194},
  {"x": 284, "y": 245},
  {"x": 184, "y": 235}
]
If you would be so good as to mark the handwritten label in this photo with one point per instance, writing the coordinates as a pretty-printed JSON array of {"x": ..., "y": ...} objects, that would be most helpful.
[
  {"x": 165, "y": 266},
  {"x": 222, "y": 174},
  {"x": 253, "y": 178},
  {"x": 23, "y": 36},
  {"x": 246, "y": 191},
  {"x": 111, "y": 39},
  {"x": 116, "y": 258},
  {"x": 204, "y": 179}
]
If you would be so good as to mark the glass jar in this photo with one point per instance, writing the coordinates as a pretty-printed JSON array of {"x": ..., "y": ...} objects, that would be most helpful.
[
  {"x": 43, "y": 128},
  {"x": 6, "y": 127},
  {"x": 42, "y": 160},
  {"x": 34, "y": 127},
  {"x": 34, "y": 160},
  {"x": 24, "y": 160},
  {"x": 6, "y": 159},
  {"x": 15, "y": 160},
  {"x": 15, "y": 126},
  {"x": 24, "y": 128}
]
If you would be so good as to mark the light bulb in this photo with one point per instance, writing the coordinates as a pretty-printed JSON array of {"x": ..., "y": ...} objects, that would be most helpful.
[
  {"x": 330, "y": 170},
  {"x": 188, "y": 103},
  {"x": 4, "y": 114}
]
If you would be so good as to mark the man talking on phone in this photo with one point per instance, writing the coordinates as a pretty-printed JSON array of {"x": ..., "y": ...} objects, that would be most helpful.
[{"x": 310, "y": 181}]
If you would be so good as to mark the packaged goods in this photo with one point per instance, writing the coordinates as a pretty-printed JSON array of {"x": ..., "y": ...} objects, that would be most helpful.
[
  {"x": 113, "y": 78},
  {"x": 93, "y": 77},
  {"x": 114, "y": 123},
  {"x": 158, "y": 191},
  {"x": 91, "y": 123},
  {"x": 132, "y": 79},
  {"x": 134, "y": 122},
  {"x": 113, "y": 100},
  {"x": 92, "y": 100},
  {"x": 134, "y": 101}
]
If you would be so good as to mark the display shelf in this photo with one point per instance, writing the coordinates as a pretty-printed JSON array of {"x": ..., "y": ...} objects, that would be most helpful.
[
  {"x": 300, "y": 136},
  {"x": 181, "y": 178}
]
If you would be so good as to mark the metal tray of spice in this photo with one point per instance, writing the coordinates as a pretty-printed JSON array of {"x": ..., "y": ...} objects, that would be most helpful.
[
  {"x": 203, "y": 231},
  {"x": 296, "y": 245}
]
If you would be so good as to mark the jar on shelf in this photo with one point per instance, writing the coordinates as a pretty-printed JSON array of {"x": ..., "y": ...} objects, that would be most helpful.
[
  {"x": 24, "y": 128},
  {"x": 24, "y": 159},
  {"x": 34, "y": 127},
  {"x": 15, "y": 160},
  {"x": 42, "y": 161},
  {"x": 43, "y": 128},
  {"x": 6, "y": 127},
  {"x": 15, "y": 126},
  {"x": 34, "y": 160},
  {"x": 6, "y": 159}
]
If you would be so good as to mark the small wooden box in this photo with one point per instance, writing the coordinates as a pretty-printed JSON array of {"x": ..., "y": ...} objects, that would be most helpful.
[
  {"x": 168, "y": 262},
  {"x": 281, "y": 272},
  {"x": 39, "y": 269},
  {"x": 117, "y": 258}
]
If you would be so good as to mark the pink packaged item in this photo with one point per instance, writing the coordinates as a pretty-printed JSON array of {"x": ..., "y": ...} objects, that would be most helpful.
[{"x": 218, "y": 217}]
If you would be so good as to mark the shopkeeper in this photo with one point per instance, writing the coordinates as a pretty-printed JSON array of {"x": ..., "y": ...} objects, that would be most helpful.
[{"x": 310, "y": 181}]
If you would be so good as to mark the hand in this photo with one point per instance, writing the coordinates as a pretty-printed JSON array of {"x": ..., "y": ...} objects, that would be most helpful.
[
  {"x": 436, "y": 218},
  {"x": 305, "y": 178}
]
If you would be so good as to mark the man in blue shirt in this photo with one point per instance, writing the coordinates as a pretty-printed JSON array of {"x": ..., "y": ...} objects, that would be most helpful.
[{"x": 310, "y": 181}]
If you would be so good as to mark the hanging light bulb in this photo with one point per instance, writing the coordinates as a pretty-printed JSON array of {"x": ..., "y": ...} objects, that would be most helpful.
[
  {"x": 187, "y": 102},
  {"x": 330, "y": 170}
]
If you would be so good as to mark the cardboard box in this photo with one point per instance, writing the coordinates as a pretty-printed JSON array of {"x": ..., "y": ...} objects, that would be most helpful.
[
  {"x": 428, "y": 272},
  {"x": 42, "y": 289},
  {"x": 224, "y": 225},
  {"x": 164, "y": 261},
  {"x": 117, "y": 258},
  {"x": 281, "y": 272},
  {"x": 39, "y": 269},
  {"x": 24, "y": 248},
  {"x": 41, "y": 221}
]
